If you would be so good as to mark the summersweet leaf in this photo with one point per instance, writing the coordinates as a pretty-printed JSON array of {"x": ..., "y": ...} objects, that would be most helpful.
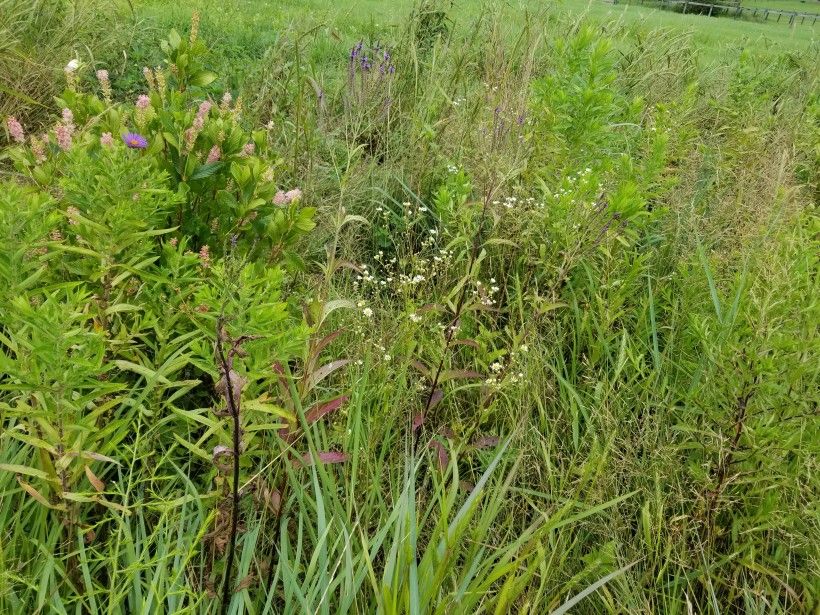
[
  {"x": 206, "y": 170},
  {"x": 203, "y": 78}
]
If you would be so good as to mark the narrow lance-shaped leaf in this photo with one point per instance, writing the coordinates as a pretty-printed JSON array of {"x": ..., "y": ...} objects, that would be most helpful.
[
  {"x": 323, "y": 457},
  {"x": 320, "y": 410},
  {"x": 323, "y": 372},
  {"x": 442, "y": 458}
]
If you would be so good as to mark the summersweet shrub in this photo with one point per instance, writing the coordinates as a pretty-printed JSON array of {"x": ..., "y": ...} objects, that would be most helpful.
[{"x": 223, "y": 174}]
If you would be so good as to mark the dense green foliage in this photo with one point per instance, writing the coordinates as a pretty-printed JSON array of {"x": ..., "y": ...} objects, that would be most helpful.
[{"x": 537, "y": 330}]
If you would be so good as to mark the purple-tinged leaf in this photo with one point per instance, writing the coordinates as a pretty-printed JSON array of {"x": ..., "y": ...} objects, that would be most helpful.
[
  {"x": 287, "y": 435},
  {"x": 486, "y": 442},
  {"x": 480, "y": 307},
  {"x": 466, "y": 486},
  {"x": 308, "y": 315},
  {"x": 275, "y": 502},
  {"x": 323, "y": 457},
  {"x": 332, "y": 457},
  {"x": 349, "y": 265},
  {"x": 221, "y": 450},
  {"x": 442, "y": 458},
  {"x": 319, "y": 410},
  {"x": 326, "y": 340},
  {"x": 323, "y": 372},
  {"x": 421, "y": 367},
  {"x": 281, "y": 379},
  {"x": 334, "y": 305},
  {"x": 447, "y": 432},
  {"x": 450, "y": 374},
  {"x": 435, "y": 398},
  {"x": 417, "y": 421}
]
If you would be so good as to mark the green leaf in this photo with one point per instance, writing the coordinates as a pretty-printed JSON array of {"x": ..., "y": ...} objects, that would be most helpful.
[
  {"x": 206, "y": 170},
  {"x": 564, "y": 608},
  {"x": 25, "y": 470},
  {"x": 174, "y": 39},
  {"x": 203, "y": 78}
]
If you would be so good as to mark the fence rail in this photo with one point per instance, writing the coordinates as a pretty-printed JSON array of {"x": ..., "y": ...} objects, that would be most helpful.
[{"x": 735, "y": 11}]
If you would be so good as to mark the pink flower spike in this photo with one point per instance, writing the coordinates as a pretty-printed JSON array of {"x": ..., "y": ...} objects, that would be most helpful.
[
  {"x": 38, "y": 148},
  {"x": 68, "y": 116},
  {"x": 293, "y": 195},
  {"x": 143, "y": 102},
  {"x": 63, "y": 133},
  {"x": 72, "y": 213},
  {"x": 214, "y": 155},
  {"x": 249, "y": 149},
  {"x": 106, "y": 140},
  {"x": 280, "y": 198},
  {"x": 15, "y": 129},
  {"x": 205, "y": 256}
]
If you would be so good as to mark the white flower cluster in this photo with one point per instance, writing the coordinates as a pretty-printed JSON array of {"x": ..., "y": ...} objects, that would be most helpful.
[
  {"x": 486, "y": 293},
  {"x": 367, "y": 311},
  {"x": 511, "y": 202}
]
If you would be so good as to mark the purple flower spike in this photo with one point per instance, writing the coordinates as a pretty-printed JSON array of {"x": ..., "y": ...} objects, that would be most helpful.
[{"x": 134, "y": 140}]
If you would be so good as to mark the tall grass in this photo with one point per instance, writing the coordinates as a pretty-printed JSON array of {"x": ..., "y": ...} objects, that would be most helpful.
[{"x": 39, "y": 37}]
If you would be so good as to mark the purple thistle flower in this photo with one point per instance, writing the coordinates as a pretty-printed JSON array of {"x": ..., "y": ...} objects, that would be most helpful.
[{"x": 134, "y": 140}]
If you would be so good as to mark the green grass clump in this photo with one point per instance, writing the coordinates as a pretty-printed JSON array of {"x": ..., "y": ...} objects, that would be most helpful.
[
  {"x": 441, "y": 309},
  {"x": 39, "y": 37}
]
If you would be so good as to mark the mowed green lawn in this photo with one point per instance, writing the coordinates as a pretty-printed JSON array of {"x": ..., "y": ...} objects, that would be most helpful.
[
  {"x": 256, "y": 22},
  {"x": 711, "y": 35},
  {"x": 800, "y": 6}
]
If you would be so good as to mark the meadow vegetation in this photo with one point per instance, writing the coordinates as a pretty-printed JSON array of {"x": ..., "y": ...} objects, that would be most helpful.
[{"x": 427, "y": 309}]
